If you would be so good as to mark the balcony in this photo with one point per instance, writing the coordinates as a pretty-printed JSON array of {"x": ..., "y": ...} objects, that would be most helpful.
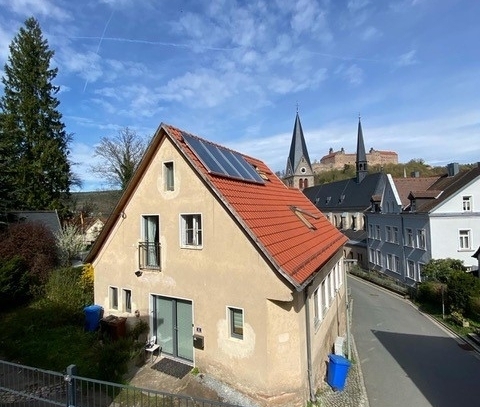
[{"x": 149, "y": 256}]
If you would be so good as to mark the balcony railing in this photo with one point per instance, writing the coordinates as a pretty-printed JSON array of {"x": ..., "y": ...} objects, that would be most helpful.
[{"x": 149, "y": 256}]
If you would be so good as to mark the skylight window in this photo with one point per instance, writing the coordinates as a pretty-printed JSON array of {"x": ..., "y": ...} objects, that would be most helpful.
[{"x": 302, "y": 215}]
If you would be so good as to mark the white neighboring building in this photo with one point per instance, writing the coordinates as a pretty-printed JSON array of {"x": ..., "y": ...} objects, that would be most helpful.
[{"x": 419, "y": 219}]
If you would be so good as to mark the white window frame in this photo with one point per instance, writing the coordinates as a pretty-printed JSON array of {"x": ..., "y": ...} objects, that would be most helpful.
[
  {"x": 169, "y": 175},
  {"x": 196, "y": 239},
  {"x": 113, "y": 297},
  {"x": 467, "y": 203},
  {"x": 377, "y": 232},
  {"x": 465, "y": 239},
  {"x": 389, "y": 259},
  {"x": 421, "y": 239},
  {"x": 232, "y": 311},
  {"x": 410, "y": 242},
  {"x": 370, "y": 231},
  {"x": 395, "y": 234},
  {"x": 396, "y": 264},
  {"x": 388, "y": 234},
  {"x": 127, "y": 299},
  {"x": 411, "y": 269},
  {"x": 379, "y": 258}
]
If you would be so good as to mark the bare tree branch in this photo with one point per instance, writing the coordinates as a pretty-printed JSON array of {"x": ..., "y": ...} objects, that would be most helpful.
[{"x": 120, "y": 157}]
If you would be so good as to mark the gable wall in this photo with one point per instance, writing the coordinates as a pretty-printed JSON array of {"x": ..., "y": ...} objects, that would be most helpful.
[{"x": 227, "y": 271}]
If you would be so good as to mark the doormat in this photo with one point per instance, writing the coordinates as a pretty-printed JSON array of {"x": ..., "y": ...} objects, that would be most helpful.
[{"x": 172, "y": 367}]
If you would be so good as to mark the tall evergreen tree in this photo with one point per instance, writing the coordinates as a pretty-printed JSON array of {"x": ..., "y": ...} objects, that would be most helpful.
[{"x": 33, "y": 141}]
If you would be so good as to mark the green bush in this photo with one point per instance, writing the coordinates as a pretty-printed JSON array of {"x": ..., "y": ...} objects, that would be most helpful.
[
  {"x": 462, "y": 286},
  {"x": 14, "y": 282},
  {"x": 474, "y": 308},
  {"x": 64, "y": 288},
  {"x": 430, "y": 292}
]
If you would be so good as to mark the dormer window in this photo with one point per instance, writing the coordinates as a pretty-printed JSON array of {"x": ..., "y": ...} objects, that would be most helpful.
[
  {"x": 327, "y": 201},
  {"x": 341, "y": 199}
]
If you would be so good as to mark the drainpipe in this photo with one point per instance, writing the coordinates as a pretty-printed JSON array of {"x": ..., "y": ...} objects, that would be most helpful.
[{"x": 313, "y": 397}]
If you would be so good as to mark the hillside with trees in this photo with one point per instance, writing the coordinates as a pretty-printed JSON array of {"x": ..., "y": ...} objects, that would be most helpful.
[{"x": 415, "y": 166}]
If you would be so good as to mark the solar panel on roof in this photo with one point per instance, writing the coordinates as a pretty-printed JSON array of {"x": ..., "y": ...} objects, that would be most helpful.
[{"x": 221, "y": 161}]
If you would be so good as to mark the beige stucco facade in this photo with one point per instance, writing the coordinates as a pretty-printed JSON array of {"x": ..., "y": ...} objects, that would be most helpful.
[{"x": 227, "y": 271}]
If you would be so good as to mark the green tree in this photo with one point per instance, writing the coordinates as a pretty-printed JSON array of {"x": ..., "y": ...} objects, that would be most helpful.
[
  {"x": 441, "y": 269},
  {"x": 32, "y": 134},
  {"x": 120, "y": 157}
]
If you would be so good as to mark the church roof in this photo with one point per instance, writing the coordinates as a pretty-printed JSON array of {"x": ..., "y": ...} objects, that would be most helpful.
[
  {"x": 298, "y": 148},
  {"x": 347, "y": 195}
]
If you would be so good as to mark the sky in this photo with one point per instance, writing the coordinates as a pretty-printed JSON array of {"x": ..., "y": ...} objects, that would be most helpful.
[{"x": 235, "y": 73}]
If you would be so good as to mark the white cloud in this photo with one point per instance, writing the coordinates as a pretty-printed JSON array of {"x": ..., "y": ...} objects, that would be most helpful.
[
  {"x": 407, "y": 59},
  {"x": 36, "y": 7},
  {"x": 369, "y": 33},
  {"x": 353, "y": 73}
]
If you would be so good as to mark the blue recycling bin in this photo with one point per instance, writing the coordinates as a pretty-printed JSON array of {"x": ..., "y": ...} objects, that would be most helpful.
[
  {"x": 338, "y": 367},
  {"x": 93, "y": 315}
]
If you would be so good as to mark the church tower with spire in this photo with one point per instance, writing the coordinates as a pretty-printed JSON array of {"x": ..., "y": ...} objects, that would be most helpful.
[
  {"x": 361, "y": 161},
  {"x": 299, "y": 172}
]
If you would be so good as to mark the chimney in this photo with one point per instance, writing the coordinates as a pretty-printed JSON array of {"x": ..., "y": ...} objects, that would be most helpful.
[{"x": 452, "y": 169}]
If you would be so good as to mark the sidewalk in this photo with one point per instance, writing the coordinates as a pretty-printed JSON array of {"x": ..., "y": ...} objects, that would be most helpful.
[{"x": 354, "y": 393}]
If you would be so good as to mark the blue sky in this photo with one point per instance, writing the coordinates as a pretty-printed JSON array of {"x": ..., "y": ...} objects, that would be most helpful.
[{"x": 234, "y": 71}]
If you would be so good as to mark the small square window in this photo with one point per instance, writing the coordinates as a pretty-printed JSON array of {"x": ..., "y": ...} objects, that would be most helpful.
[
  {"x": 169, "y": 176},
  {"x": 236, "y": 322},
  {"x": 113, "y": 296},
  {"x": 191, "y": 229},
  {"x": 127, "y": 300}
]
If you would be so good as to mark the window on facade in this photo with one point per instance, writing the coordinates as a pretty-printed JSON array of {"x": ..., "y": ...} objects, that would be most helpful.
[
  {"x": 305, "y": 183},
  {"x": 149, "y": 248},
  {"x": 169, "y": 176},
  {"x": 324, "y": 296},
  {"x": 411, "y": 269},
  {"x": 127, "y": 300},
  {"x": 191, "y": 230},
  {"x": 300, "y": 183},
  {"x": 389, "y": 258},
  {"x": 464, "y": 239},
  {"x": 236, "y": 322},
  {"x": 467, "y": 203},
  {"x": 370, "y": 231},
  {"x": 377, "y": 232},
  {"x": 409, "y": 237},
  {"x": 421, "y": 239},
  {"x": 113, "y": 297},
  {"x": 395, "y": 234},
  {"x": 396, "y": 264},
  {"x": 388, "y": 231},
  {"x": 379, "y": 258}
]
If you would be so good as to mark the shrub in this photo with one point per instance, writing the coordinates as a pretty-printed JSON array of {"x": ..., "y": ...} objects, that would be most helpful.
[
  {"x": 474, "y": 307},
  {"x": 64, "y": 288},
  {"x": 462, "y": 286},
  {"x": 69, "y": 243},
  {"x": 430, "y": 292},
  {"x": 14, "y": 282},
  {"x": 87, "y": 278},
  {"x": 34, "y": 243}
]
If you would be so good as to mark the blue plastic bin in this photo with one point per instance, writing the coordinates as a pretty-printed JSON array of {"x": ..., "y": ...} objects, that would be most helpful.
[
  {"x": 93, "y": 315},
  {"x": 338, "y": 367}
]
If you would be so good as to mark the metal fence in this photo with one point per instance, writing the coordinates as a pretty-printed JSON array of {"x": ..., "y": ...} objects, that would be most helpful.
[{"x": 27, "y": 386}]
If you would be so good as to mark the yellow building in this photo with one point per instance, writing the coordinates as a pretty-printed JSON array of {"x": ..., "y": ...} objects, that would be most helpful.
[{"x": 236, "y": 274}]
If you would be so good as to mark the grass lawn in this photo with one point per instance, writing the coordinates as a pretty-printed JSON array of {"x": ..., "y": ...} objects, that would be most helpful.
[{"x": 50, "y": 337}]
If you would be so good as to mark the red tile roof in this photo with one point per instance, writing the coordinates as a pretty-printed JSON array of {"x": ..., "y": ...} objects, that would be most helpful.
[{"x": 266, "y": 212}]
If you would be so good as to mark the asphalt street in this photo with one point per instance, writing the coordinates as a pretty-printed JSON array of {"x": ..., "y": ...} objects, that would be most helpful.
[{"x": 406, "y": 358}]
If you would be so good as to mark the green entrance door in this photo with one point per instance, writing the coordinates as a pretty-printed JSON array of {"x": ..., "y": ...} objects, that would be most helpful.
[{"x": 172, "y": 324}]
